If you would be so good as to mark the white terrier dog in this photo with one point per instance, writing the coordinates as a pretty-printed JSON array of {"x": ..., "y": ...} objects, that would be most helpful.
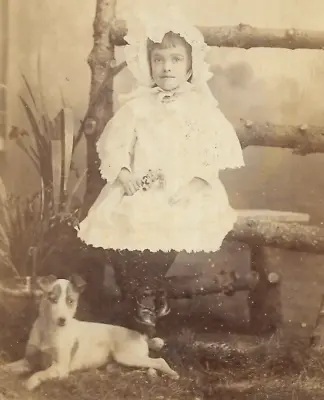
[{"x": 59, "y": 344}]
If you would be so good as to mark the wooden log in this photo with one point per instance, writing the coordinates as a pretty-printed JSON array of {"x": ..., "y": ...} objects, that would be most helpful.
[
  {"x": 284, "y": 235},
  {"x": 181, "y": 287},
  {"x": 100, "y": 109},
  {"x": 304, "y": 139},
  {"x": 273, "y": 215},
  {"x": 244, "y": 36},
  {"x": 264, "y": 298}
]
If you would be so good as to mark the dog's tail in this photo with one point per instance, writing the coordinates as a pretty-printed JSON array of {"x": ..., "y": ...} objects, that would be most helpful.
[{"x": 156, "y": 343}]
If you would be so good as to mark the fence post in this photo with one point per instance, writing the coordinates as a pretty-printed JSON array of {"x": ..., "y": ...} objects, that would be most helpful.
[{"x": 264, "y": 299}]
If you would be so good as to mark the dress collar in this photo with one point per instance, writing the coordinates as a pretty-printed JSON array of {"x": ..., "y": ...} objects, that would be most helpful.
[
  {"x": 162, "y": 95},
  {"x": 169, "y": 96}
]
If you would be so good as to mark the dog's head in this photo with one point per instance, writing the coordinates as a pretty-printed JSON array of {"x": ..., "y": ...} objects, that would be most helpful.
[{"x": 60, "y": 298}]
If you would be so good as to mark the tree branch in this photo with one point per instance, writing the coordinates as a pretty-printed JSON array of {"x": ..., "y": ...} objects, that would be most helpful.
[{"x": 244, "y": 36}]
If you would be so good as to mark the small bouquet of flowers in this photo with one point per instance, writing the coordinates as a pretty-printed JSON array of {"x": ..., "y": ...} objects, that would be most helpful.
[
  {"x": 152, "y": 177},
  {"x": 117, "y": 191}
]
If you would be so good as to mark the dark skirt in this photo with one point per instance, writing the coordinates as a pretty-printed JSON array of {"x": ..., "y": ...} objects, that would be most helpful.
[{"x": 140, "y": 269}]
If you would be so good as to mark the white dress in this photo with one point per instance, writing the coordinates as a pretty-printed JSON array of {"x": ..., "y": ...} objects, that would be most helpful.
[{"x": 185, "y": 138}]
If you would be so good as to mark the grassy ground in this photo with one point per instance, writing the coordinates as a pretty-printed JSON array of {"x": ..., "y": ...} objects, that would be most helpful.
[{"x": 284, "y": 370}]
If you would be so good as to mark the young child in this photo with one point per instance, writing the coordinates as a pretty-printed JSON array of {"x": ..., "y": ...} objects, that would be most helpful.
[{"x": 161, "y": 155}]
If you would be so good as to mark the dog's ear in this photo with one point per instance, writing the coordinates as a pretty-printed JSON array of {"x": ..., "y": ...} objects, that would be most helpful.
[
  {"x": 78, "y": 283},
  {"x": 45, "y": 282}
]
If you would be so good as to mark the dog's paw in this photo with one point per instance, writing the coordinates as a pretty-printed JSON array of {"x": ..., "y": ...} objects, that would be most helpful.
[
  {"x": 156, "y": 343},
  {"x": 174, "y": 375},
  {"x": 32, "y": 383},
  {"x": 4, "y": 368},
  {"x": 152, "y": 373},
  {"x": 110, "y": 368}
]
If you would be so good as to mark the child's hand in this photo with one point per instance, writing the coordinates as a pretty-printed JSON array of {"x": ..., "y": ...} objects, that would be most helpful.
[
  {"x": 184, "y": 194},
  {"x": 130, "y": 184}
]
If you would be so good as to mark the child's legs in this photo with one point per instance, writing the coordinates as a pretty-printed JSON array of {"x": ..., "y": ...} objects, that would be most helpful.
[
  {"x": 137, "y": 270},
  {"x": 140, "y": 276}
]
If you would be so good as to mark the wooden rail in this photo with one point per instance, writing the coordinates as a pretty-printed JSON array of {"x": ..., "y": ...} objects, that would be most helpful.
[
  {"x": 243, "y": 36},
  {"x": 284, "y": 235},
  {"x": 304, "y": 139}
]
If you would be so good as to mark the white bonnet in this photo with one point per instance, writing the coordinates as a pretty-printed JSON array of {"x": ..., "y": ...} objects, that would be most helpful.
[{"x": 153, "y": 20}]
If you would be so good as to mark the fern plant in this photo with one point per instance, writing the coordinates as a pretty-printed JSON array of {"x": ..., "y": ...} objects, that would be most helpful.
[
  {"x": 27, "y": 225},
  {"x": 50, "y": 145},
  {"x": 22, "y": 236}
]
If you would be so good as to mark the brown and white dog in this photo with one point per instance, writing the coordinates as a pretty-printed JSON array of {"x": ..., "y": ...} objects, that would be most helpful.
[{"x": 59, "y": 343}]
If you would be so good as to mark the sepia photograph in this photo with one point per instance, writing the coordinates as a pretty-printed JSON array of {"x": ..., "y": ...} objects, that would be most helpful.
[{"x": 161, "y": 216}]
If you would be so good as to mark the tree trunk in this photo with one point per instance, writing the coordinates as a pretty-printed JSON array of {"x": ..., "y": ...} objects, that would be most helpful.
[
  {"x": 100, "y": 108},
  {"x": 245, "y": 37}
]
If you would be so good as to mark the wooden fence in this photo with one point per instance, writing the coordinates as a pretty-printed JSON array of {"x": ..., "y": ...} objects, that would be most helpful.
[{"x": 257, "y": 232}]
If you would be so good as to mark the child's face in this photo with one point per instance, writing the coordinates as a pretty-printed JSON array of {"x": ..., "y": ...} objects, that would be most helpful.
[{"x": 170, "y": 67}]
